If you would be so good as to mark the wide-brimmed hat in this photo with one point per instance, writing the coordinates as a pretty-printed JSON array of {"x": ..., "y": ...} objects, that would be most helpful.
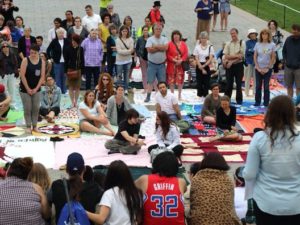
[
  {"x": 156, "y": 3},
  {"x": 252, "y": 31}
]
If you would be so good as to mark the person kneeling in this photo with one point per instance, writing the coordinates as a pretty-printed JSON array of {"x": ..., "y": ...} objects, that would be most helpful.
[
  {"x": 5, "y": 100},
  {"x": 167, "y": 135},
  {"x": 225, "y": 121},
  {"x": 92, "y": 116},
  {"x": 127, "y": 139},
  {"x": 50, "y": 102}
]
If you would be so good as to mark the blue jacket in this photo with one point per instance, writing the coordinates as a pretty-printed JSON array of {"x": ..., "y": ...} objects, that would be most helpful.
[
  {"x": 55, "y": 98},
  {"x": 249, "y": 53}
]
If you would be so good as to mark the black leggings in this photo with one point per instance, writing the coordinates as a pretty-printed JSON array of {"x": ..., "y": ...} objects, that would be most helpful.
[
  {"x": 263, "y": 218},
  {"x": 178, "y": 149}
]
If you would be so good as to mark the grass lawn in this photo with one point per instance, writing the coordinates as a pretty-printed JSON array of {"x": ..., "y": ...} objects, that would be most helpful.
[{"x": 268, "y": 10}]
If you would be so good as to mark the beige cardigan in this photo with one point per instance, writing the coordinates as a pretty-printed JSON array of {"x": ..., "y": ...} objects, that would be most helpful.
[{"x": 124, "y": 54}]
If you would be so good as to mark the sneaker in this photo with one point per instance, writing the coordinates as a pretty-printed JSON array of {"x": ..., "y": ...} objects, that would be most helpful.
[{"x": 256, "y": 105}]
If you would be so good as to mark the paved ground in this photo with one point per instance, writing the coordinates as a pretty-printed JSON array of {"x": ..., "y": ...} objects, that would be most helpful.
[{"x": 178, "y": 14}]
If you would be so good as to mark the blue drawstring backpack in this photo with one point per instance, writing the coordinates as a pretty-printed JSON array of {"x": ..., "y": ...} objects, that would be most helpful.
[{"x": 73, "y": 212}]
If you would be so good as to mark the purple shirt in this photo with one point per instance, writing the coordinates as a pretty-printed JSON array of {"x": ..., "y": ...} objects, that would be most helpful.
[
  {"x": 93, "y": 52},
  {"x": 28, "y": 44}
]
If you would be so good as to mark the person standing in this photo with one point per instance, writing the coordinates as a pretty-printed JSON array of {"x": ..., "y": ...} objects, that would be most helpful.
[
  {"x": 74, "y": 61},
  {"x": 264, "y": 58},
  {"x": 91, "y": 20},
  {"x": 115, "y": 18},
  {"x": 148, "y": 24},
  {"x": 103, "y": 35},
  {"x": 93, "y": 54},
  {"x": 69, "y": 21},
  {"x": 52, "y": 34},
  {"x": 250, "y": 66},
  {"x": 273, "y": 166},
  {"x": 112, "y": 50},
  {"x": 56, "y": 51},
  {"x": 77, "y": 29},
  {"x": 141, "y": 52},
  {"x": 154, "y": 14},
  {"x": 103, "y": 6},
  {"x": 216, "y": 13},
  {"x": 25, "y": 42},
  {"x": 204, "y": 54},
  {"x": 177, "y": 53},
  {"x": 32, "y": 74},
  {"x": 234, "y": 52},
  {"x": 204, "y": 10},
  {"x": 157, "y": 46},
  {"x": 291, "y": 57},
  {"x": 8, "y": 70},
  {"x": 7, "y": 9},
  {"x": 125, "y": 48},
  {"x": 225, "y": 11}
]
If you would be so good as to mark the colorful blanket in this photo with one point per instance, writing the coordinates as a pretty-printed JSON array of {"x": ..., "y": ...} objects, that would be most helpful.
[{"x": 197, "y": 146}]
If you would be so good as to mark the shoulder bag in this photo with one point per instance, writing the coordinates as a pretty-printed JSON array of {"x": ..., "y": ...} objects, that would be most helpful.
[
  {"x": 185, "y": 65},
  {"x": 74, "y": 74}
]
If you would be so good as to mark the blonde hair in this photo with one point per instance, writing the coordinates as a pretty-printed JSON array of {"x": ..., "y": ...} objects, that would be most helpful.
[
  {"x": 60, "y": 30},
  {"x": 40, "y": 176}
]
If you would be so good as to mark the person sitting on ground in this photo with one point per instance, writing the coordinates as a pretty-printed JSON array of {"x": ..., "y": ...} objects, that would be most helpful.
[
  {"x": 167, "y": 135},
  {"x": 164, "y": 188},
  {"x": 195, "y": 167},
  {"x": 89, "y": 195},
  {"x": 167, "y": 102},
  {"x": 117, "y": 106},
  {"x": 225, "y": 121},
  {"x": 212, "y": 193},
  {"x": 122, "y": 202},
  {"x": 127, "y": 139},
  {"x": 40, "y": 176},
  {"x": 50, "y": 100},
  {"x": 5, "y": 100},
  {"x": 211, "y": 104},
  {"x": 92, "y": 116},
  {"x": 104, "y": 90},
  {"x": 22, "y": 202}
]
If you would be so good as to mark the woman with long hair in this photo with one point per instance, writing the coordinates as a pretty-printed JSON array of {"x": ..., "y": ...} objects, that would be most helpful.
[
  {"x": 273, "y": 166},
  {"x": 264, "y": 58},
  {"x": 167, "y": 134},
  {"x": 104, "y": 90},
  {"x": 40, "y": 176},
  {"x": 92, "y": 116},
  {"x": 176, "y": 54},
  {"x": 74, "y": 61},
  {"x": 212, "y": 193},
  {"x": 112, "y": 50},
  {"x": 122, "y": 201},
  {"x": 22, "y": 202}
]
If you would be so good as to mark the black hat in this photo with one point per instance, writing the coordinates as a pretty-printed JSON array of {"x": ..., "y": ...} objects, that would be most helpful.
[{"x": 156, "y": 3}]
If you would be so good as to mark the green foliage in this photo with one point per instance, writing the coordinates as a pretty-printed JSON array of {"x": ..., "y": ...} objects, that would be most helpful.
[{"x": 268, "y": 10}]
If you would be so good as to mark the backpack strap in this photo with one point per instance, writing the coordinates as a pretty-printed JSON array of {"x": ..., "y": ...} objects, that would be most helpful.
[{"x": 72, "y": 218}]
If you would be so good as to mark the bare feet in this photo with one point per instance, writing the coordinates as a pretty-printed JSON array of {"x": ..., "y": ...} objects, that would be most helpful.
[{"x": 35, "y": 129}]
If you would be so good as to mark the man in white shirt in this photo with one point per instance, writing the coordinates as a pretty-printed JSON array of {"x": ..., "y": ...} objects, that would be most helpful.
[
  {"x": 91, "y": 20},
  {"x": 167, "y": 102},
  {"x": 52, "y": 32}
]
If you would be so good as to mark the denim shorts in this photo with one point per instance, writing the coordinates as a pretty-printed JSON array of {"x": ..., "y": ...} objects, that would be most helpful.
[{"x": 156, "y": 71}]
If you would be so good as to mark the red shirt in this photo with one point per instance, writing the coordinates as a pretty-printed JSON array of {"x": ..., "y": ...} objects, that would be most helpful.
[
  {"x": 155, "y": 16},
  {"x": 163, "y": 201}
]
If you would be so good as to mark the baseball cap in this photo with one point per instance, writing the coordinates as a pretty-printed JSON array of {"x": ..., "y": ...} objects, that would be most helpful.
[
  {"x": 75, "y": 163},
  {"x": 2, "y": 88}
]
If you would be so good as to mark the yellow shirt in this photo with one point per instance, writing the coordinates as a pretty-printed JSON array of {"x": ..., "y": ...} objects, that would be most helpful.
[
  {"x": 104, "y": 3},
  {"x": 139, "y": 33},
  {"x": 104, "y": 34}
]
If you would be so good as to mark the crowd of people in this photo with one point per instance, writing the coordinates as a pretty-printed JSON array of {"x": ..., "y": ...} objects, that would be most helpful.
[{"x": 102, "y": 51}]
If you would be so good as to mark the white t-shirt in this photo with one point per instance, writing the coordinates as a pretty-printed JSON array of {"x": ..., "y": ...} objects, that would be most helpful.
[
  {"x": 61, "y": 42},
  {"x": 201, "y": 53},
  {"x": 240, "y": 203},
  {"x": 52, "y": 34},
  {"x": 90, "y": 22},
  {"x": 166, "y": 103},
  {"x": 92, "y": 111},
  {"x": 119, "y": 213}
]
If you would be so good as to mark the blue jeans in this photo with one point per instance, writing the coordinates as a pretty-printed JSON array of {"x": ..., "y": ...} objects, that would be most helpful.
[
  {"x": 89, "y": 73},
  {"x": 59, "y": 76},
  {"x": 259, "y": 79},
  {"x": 156, "y": 71},
  {"x": 124, "y": 69}
]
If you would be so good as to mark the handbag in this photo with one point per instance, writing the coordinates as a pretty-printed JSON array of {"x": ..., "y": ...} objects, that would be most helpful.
[
  {"x": 74, "y": 74},
  {"x": 155, "y": 152},
  {"x": 185, "y": 65}
]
